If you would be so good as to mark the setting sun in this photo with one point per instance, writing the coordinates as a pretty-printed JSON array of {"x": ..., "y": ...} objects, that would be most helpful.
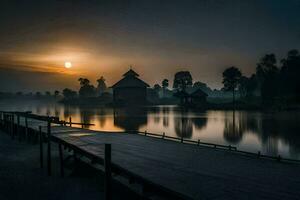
[{"x": 68, "y": 65}]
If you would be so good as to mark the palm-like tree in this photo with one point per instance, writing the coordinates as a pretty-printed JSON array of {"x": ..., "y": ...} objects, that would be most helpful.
[
  {"x": 84, "y": 81},
  {"x": 231, "y": 78},
  {"x": 165, "y": 84}
]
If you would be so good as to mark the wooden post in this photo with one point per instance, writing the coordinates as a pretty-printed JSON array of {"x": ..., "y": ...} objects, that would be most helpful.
[
  {"x": 70, "y": 120},
  {"x": 9, "y": 118},
  {"x": 279, "y": 158},
  {"x": 198, "y": 142},
  {"x": 49, "y": 147},
  {"x": 5, "y": 121},
  {"x": 181, "y": 140},
  {"x": 2, "y": 118},
  {"x": 61, "y": 159},
  {"x": 18, "y": 127},
  {"x": 26, "y": 128},
  {"x": 145, "y": 133},
  {"x": 229, "y": 147},
  {"x": 258, "y": 154},
  {"x": 107, "y": 176},
  {"x": 12, "y": 126},
  {"x": 163, "y": 136},
  {"x": 41, "y": 147}
]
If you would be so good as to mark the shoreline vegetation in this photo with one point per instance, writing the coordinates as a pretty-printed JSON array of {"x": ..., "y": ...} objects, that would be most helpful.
[
  {"x": 274, "y": 86},
  {"x": 212, "y": 104}
]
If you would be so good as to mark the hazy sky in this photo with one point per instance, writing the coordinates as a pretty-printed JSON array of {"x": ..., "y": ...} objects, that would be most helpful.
[{"x": 156, "y": 37}]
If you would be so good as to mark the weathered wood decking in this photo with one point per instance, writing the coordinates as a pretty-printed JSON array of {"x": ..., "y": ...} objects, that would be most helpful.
[
  {"x": 187, "y": 171},
  {"x": 196, "y": 172}
]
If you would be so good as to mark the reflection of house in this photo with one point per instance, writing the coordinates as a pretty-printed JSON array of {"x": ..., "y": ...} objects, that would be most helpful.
[
  {"x": 130, "y": 89},
  {"x": 130, "y": 119}
]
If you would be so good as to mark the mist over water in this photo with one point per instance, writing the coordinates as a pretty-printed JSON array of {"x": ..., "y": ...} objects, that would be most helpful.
[{"x": 271, "y": 133}]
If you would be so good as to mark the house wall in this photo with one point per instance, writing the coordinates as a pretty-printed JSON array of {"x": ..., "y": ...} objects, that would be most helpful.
[{"x": 132, "y": 95}]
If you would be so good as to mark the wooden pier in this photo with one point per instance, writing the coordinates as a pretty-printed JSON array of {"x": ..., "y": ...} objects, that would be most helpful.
[{"x": 173, "y": 168}]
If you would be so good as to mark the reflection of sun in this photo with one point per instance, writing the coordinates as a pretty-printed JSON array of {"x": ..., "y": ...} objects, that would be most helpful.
[{"x": 68, "y": 65}]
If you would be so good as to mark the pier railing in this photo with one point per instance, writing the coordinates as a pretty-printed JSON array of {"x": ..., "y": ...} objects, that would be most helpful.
[
  {"x": 216, "y": 146},
  {"x": 187, "y": 141}
]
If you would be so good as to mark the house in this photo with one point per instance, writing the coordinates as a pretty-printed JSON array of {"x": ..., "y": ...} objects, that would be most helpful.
[
  {"x": 198, "y": 97},
  {"x": 130, "y": 89}
]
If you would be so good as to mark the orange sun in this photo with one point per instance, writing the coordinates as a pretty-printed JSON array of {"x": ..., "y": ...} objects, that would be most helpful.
[{"x": 68, "y": 65}]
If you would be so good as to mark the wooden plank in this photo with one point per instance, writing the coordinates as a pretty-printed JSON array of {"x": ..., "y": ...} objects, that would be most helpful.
[
  {"x": 193, "y": 171},
  {"x": 61, "y": 159},
  {"x": 41, "y": 140},
  {"x": 107, "y": 169},
  {"x": 49, "y": 148}
]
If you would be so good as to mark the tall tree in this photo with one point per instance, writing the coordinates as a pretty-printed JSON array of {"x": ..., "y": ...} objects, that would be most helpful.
[
  {"x": 157, "y": 88},
  {"x": 202, "y": 86},
  {"x": 84, "y": 81},
  {"x": 165, "y": 85},
  {"x": 86, "y": 90},
  {"x": 267, "y": 73},
  {"x": 101, "y": 88},
  {"x": 247, "y": 86},
  {"x": 231, "y": 78},
  {"x": 56, "y": 93},
  {"x": 182, "y": 80},
  {"x": 289, "y": 74}
]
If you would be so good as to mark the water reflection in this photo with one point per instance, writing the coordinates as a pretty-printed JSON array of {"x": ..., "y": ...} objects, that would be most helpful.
[
  {"x": 101, "y": 113},
  {"x": 234, "y": 128},
  {"x": 130, "y": 119},
  {"x": 183, "y": 127},
  {"x": 165, "y": 111},
  {"x": 200, "y": 122},
  {"x": 270, "y": 133}
]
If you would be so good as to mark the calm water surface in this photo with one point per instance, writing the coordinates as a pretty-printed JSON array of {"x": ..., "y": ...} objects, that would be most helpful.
[{"x": 270, "y": 133}]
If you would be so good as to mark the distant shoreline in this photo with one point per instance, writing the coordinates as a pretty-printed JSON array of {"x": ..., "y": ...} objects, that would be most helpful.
[{"x": 99, "y": 102}]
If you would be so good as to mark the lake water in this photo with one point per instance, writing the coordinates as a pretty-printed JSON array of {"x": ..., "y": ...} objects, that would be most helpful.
[{"x": 271, "y": 133}]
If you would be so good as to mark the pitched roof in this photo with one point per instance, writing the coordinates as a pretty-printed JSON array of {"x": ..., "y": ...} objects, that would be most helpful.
[
  {"x": 198, "y": 93},
  {"x": 131, "y": 73},
  {"x": 130, "y": 81}
]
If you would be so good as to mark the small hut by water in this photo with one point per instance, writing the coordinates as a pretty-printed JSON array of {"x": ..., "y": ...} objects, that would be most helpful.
[
  {"x": 130, "y": 89},
  {"x": 198, "y": 97}
]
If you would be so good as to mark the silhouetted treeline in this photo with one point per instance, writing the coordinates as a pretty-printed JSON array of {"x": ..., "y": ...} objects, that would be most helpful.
[
  {"x": 276, "y": 83},
  {"x": 88, "y": 93},
  {"x": 30, "y": 95}
]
